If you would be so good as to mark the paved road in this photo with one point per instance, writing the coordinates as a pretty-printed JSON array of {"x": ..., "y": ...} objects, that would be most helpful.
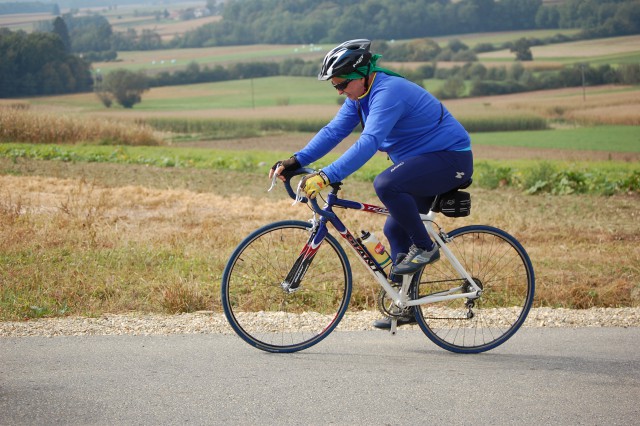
[{"x": 588, "y": 376}]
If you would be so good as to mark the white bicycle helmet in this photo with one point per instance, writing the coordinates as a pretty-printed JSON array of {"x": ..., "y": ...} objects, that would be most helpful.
[{"x": 345, "y": 58}]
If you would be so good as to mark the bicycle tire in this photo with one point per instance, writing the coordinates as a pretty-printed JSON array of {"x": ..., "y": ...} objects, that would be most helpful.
[
  {"x": 499, "y": 263},
  {"x": 266, "y": 316}
]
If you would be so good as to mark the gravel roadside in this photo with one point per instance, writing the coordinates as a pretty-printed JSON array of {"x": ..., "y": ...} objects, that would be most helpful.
[{"x": 210, "y": 322}]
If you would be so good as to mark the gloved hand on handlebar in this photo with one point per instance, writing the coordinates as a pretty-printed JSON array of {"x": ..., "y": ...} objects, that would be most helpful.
[
  {"x": 315, "y": 182},
  {"x": 289, "y": 164}
]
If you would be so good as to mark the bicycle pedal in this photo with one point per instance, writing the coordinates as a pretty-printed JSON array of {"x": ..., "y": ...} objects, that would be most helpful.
[{"x": 394, "y": 326}]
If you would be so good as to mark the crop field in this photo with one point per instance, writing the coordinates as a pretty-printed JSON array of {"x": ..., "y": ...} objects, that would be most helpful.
[
  {"x": 138, "y": 17},
  {"x": 173, "y": 59},
  {"x": 91, "y": 224},
  {"x": 23, "y": 21},
  {"x": 166, "y": 28},
  {"x": 304, "y": 97},
  {"x": 85, "y": 238},
  {"x": 614, "y": 50},
  {"x": 88, "y": 229}
]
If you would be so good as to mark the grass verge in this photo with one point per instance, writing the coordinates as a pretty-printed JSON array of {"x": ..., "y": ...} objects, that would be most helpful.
[{"x": 106, "y": 237}]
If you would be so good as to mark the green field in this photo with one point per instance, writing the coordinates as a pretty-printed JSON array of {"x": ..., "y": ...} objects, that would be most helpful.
[
  {"x": 597, "y": 138},
  {"x": 174, "y": 59},
  {"x": 259, "y": 92}
]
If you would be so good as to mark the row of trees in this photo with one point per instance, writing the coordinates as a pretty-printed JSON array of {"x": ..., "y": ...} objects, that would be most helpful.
[
  {"x": 39, "y": 64},
  {"x": 90, "y": 36},
  {"x": 309, "y": 21},
  {"x": 516, "y": 78}
]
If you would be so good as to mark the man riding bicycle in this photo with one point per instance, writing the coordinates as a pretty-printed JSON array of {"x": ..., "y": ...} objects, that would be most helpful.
[{"x": 429, "y": 148}]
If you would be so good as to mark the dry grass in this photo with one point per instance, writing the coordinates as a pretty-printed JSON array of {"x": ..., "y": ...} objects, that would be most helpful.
[
  {"x": 19, "y": 124},
  {"x": 88, "y": 244}
]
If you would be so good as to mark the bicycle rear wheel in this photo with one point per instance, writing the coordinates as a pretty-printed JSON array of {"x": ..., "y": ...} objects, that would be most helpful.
[
  {"x": 498, "y": 263},
  {"x": 271, "y": 318}
]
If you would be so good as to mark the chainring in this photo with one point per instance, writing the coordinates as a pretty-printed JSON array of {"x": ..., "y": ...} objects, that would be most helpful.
[{"x": 388, "y": 308}]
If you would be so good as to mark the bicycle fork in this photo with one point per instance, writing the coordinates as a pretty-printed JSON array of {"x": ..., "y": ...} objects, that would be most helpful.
[{"x": 295, "y": 276}]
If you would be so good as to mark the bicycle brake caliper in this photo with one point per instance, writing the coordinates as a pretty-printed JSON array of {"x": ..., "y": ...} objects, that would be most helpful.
[{"x": 445, "y": 237}]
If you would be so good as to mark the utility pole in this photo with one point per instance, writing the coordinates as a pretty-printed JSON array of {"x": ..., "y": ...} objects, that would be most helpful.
[
  {"x": 584, "y": 93},
  {"x": 253, "y": 101}
]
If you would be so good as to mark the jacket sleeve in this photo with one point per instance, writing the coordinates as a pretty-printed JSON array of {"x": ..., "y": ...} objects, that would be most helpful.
[{"x": 330, "y": 135}]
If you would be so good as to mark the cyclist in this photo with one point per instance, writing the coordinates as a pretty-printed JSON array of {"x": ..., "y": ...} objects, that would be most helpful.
[{"x": 429, "y": 148}]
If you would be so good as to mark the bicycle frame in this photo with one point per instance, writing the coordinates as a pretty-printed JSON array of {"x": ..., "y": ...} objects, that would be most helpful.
[{"x": 399, "y": 297}]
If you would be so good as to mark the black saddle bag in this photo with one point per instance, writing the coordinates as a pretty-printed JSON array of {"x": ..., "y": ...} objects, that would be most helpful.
[{"x": 455, "y": 203}]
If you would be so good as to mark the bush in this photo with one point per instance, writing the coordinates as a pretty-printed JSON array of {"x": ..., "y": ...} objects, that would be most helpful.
[
  {"x": 504, "y": 124},
  {"x": 488, "y": 88},
  {"x": 483, "y": 47},
  {"x": 490, "y": 177},
  {"x": 125, "y": 87}
]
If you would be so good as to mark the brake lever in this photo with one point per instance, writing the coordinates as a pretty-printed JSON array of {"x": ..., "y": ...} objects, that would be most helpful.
[
  {"x": 299, "y": 197},
  {"x": 274, "y": 180}
]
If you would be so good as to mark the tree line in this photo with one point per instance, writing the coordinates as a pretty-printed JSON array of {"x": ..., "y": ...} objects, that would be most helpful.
[
  {"x": 39, "y": 64},
  {"x": 309, "y": 21}
]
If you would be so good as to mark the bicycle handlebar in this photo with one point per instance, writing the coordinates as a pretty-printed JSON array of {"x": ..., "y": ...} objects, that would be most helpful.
[{"x": 288, "y": 175}]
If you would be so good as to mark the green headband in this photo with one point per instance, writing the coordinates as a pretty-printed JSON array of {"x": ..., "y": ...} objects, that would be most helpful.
[{"x": 365, "y": 70}]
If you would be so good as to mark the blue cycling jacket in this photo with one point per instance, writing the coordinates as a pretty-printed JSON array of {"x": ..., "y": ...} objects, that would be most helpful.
[{"x": 401, "y": 119}]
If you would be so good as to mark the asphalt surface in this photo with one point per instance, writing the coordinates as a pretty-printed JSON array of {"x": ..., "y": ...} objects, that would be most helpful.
[{"x": 586, "y": 376}]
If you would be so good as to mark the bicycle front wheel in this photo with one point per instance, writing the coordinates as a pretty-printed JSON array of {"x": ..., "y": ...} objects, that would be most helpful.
[
  {"x": 275, "y": 319},
  {"x": 498, "y": 263}
]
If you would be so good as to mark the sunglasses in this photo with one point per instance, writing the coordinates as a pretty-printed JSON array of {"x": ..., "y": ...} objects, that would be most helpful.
[{"x": 342, "y": 85}]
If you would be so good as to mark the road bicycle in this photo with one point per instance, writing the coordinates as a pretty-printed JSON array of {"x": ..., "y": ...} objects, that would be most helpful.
[{"x": 288, "y": 284}]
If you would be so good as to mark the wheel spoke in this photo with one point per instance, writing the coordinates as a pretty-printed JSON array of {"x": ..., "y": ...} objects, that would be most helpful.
[
  {"x": 499, "y": 264},
  {"x": 266, "y": 315}
]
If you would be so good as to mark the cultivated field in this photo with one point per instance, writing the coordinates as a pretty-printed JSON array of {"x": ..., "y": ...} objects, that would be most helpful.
[
  {"x": 23, "y": 21},
  {"x": 167, "y": 29},
  {"x": 86, "y": 238},
  {"x": 305, "y": 97},
  {"x": 173, "y": 59},
  {"x": 89, "y": 229},
  {"x": 90, "y": 238},
  {"x": 138, "y": 17},
  {"x": 594, "y": 50}
]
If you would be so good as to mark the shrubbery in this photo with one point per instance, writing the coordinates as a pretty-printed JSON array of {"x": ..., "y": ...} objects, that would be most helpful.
[
  {"x": 537, "y": 178},
  {"x": 547, "y": 178}
]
